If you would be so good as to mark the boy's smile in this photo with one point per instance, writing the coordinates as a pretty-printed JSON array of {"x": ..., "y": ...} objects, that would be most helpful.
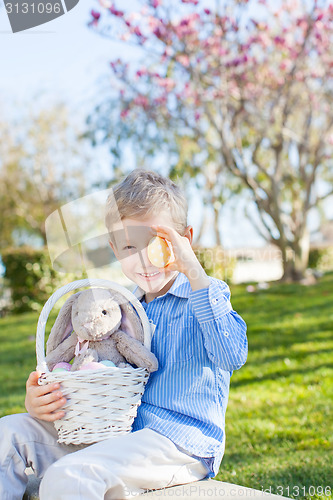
[{"x": 131, "y": 238}]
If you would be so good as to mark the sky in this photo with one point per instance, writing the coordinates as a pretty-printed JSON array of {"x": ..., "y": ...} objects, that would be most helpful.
[
  {"x": 62, "y": 58},
  {"x": 65, "y": 60}
]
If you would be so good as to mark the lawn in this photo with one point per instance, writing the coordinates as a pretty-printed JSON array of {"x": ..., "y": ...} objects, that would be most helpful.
[{"x": 279, "y": 423}]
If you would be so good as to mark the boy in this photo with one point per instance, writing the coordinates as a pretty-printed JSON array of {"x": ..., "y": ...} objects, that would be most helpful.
[{"x": 178, "y": 435}]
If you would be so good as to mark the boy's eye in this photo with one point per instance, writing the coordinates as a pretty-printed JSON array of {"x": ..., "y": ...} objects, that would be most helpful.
[{"x": 129, "y": 247}]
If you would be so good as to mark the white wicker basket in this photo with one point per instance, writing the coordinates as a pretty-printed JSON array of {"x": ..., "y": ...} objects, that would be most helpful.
[{"x": 101, "y": 403}]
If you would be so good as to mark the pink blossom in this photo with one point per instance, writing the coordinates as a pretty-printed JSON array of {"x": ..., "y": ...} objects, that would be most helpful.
[
  {"x": 96, "y": 15},
  {"x": 115, "y": 12},
  {"x": 184, "y": 60},
  {"x": 114, "y": 64},
  {"x": 250, "y": 65},
  {"x": 264, "y": 39},
  {"x": 302, "y": 23},
  {"x": 286, "y": 65},
  {"x": 124, "y": 113},
  {"x": 167, "y": 83},
  {"x": 125, "y": 37},
  {"x": 106, "y": 4},
  {"x": 136, "y": 30},
  {"x": 299, "y": 76},
  {"x": 141, "y": 72},
  {"x": 160, "y": 101},
  {"x": 168, "y": 51},
  {"x": 279, "y": 40},
  {"x": 222, "y": 52},
  {"x": 188, "y": 91},
  {"x": 160, "y": 32},
  {"x": 280, "y": 80},
  {"x": 153, "y": 23},
  {"x": 141, "y": 101}
]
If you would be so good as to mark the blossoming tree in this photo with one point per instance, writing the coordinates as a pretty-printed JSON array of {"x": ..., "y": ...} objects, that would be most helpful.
[{"x": 249, "y": 85}]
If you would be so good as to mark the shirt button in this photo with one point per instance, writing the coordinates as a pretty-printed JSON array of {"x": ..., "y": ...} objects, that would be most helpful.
[
  {"x": 214, "y": 301},
  {"x": 226, "y": 334}
]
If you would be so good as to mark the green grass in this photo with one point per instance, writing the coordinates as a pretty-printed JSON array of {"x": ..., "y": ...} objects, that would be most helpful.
[
  {"x": 17, "y": 359},
  {"x": 279, "y": 423}
]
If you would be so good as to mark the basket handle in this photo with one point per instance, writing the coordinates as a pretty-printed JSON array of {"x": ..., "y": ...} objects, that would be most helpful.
[{"x": 74, "y": 285}]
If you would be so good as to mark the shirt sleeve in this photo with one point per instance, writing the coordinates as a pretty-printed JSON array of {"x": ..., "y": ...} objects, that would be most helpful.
[{"x": 224, "y": 331}]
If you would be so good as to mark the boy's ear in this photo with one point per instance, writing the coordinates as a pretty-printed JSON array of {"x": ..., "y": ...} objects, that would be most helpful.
[
  {"x": 113, "y": 247},
  {"x": 189, "y": 233}
]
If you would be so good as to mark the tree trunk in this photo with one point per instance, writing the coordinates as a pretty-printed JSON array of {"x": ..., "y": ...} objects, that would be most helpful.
[
  {"x": 217, "y": 228},
  {"x": 203, "y": 226},
  {"x": 295, "y": 259}
]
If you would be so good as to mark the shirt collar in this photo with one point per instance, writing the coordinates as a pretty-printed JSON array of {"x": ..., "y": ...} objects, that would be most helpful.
[{"x": 180, "y": 288}]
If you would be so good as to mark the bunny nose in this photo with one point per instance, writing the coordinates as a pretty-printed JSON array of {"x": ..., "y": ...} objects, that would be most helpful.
[{"x": 89, "y": 326}]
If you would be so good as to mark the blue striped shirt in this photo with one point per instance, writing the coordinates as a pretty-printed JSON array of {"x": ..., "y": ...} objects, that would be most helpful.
[{"x": 198, "y": 341}]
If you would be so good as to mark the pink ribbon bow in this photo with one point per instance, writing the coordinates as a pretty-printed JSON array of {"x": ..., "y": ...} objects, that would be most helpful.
[{"x": 81, "y": 349}]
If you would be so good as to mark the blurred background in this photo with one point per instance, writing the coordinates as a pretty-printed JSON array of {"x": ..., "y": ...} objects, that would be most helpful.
[{"x": 174, "y": 87}]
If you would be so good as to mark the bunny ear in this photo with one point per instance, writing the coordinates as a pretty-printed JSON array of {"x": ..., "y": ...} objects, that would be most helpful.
[
  {"x": 63, "y": 325},
  {"x": 131, "y": 323}
]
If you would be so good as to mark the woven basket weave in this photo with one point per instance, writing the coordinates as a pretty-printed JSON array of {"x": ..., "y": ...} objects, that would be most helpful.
[{"x": 101, "y": 403}]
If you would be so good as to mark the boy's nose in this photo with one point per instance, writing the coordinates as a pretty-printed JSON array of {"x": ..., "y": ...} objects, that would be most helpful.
[{"x": 145, "y": 260}]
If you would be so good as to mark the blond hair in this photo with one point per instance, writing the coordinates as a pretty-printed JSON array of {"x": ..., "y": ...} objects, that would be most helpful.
[{"x": 144, "y": 193}]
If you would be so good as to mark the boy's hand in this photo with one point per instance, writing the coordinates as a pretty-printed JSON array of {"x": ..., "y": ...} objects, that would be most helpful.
[
  {"x": 185, "y": 261},
  {"x": 43, "y": 401}
]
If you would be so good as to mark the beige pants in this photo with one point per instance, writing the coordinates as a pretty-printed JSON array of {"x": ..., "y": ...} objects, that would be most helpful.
[{"x": 117, "y": 468}]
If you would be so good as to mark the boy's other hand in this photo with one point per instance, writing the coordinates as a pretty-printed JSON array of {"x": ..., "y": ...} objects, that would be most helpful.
[
  {"x": 43, "y": 401},
  {"x": 185, "y": 260}
]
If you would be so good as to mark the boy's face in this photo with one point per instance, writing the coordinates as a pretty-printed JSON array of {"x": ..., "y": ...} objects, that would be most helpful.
[{"x": 131, "y": 238}]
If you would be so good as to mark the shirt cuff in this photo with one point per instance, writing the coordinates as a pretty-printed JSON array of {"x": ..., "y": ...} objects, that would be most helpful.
[{"x": 210, "y": 303}]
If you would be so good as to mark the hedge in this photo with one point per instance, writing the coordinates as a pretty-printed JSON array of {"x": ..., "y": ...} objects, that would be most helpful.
[
  {"x": 30, "y": 277},
  {"x": 216, "y": 262},
  {"x": 321, "y": 259}
]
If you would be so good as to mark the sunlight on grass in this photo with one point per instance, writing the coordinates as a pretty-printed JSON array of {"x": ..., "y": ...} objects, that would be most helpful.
[{"x": 279, "y": 426}]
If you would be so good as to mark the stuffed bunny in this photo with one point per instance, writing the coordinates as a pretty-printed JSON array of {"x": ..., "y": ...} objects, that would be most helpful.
[{"x": 104, "y": 327}]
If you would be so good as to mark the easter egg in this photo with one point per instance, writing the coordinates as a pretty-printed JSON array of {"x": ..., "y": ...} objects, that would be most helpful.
[
  {"x": 160, "y": 252},
  {"x": 108, "y": 363},
  {"x": 59, "y": 370},
  {"x": 62, "y": 366},
  {"x": 93, "y": 365}
]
